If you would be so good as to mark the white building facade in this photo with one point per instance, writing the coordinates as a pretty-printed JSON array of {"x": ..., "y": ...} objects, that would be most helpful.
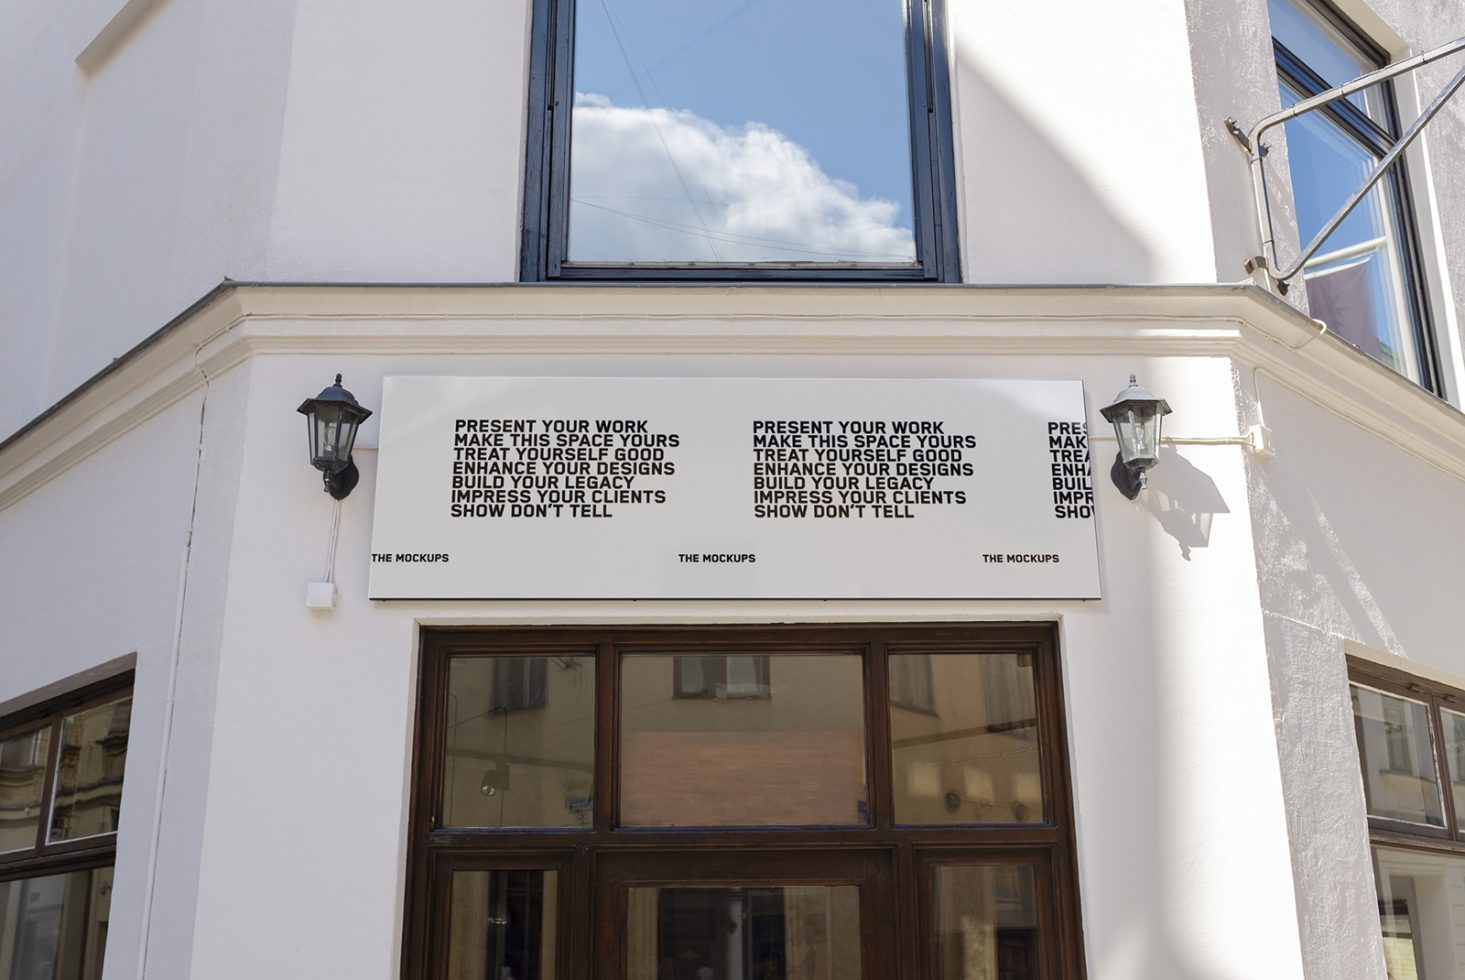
[{"x": 1236, "y": 757}]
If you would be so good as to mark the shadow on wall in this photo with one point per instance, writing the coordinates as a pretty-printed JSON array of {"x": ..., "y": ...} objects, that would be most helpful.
[
  {"x": 1184, "y": 500},
  {"x": 1327, "y": 553},
  {"x": 1029, "y": 213}
]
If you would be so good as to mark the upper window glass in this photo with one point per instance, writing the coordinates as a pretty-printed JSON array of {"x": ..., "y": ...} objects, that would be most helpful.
[
  {"x": 1396, "y": 751},
  {"x": 730, "y": 139},
  {"x": 1363, "y": 282},
  {"x": 1316, "y": 41},
  {"x": 61, "y": 773},
  {"x": 93, "y": 754},
  {"x": 1410, "y": 734}
]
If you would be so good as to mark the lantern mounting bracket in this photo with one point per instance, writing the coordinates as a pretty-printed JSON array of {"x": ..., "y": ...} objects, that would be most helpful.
[{"x": 340, "y": 483}]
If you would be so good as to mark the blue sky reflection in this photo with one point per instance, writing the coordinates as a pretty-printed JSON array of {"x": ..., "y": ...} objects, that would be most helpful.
[{"x": 740, "y": 131}]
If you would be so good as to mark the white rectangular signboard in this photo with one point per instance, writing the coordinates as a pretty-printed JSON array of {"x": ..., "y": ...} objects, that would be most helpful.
[{"x": 683, "y": 488}]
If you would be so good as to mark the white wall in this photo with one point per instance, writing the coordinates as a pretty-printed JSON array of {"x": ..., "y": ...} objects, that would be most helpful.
[
  {"x": 1169, "y": 706},
  {"x": 403, "y": 143},
  {"x": 93, "y": 571},
  {"x": 1078, "y": 152},
  {"x": 1358, "y": 541},
  {"x": 1219, "y": 814},
  {"x": 129, "y": 189}
]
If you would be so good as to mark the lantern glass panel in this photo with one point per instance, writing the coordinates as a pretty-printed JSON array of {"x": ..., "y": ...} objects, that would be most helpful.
[
  {"x": 1142, "y": 426},
  {"x": 1126, "y": 428},
  {"x": 1150, "y": 426},
  {"x": 327, "y": 443}
]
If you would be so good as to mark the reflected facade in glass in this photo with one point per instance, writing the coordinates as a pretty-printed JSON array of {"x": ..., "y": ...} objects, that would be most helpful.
[
  {"x": 89, "y": 775},
  {"x": 985, "y": 922},
  {"x": 795, "y": 932},
  {"x": 22, "y": 780},
  {"x": 502, "y": 925},
  {"x": 1396, "y": 750},
  {"x": 1454, "y": 725},
  {"x": 520, "y": 742},
  {"x": 54, "y": 927},
  {"x": 964, "y": 739},
  {"x": 783, "y": 744}
]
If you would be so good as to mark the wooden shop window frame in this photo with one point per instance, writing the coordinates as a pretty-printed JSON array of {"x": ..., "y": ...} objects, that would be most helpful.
[
  {"x": 47, "y": 857},
  {"x": 907, "y": 853}
]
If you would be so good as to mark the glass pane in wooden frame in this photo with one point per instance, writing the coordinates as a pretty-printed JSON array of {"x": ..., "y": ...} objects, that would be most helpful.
[
  {"x": 1454, "y": 728},
  {"x": 984, "y": 922},
  {"x": 744, "y": 932},
  {"x": 520, "y": 741},
  {"x": 55, "y": 926},
  {"x": 971, "y": 757},
  {"x": 598, "y": 861},
  {"x": 1396, "y": 751},
  {"x": 811, "y": 904},
  {"x": 502, "y": 924},
  {"x": 796, "y": 756},
  {"x": 23, "y": 759},
  {"x": 90, "y": 765}
]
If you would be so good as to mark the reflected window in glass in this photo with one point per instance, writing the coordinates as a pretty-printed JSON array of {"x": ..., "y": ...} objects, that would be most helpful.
[
  {"x": 55, "y": 926},
  {"x": 508, "y": 766},
  {"x": 61, "y": 786},
  {"x": 985, "y": 922},
  {"x": 972, "y": 758},
  {"x": 22, "y": 778},
  {"x": 1395, "y": 748},
  {"x": 89, "y": 778},
  {"x": 501, "y": 924},
  {"x": 744, "y": 933},
  {"x": 794, "y": 756},
  {"x": 721, "y": 676}
]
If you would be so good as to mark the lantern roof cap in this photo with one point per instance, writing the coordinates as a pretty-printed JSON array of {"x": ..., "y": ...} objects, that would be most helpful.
[
  {"x": 1134, "y": 395},
  {"x": 334, "y": 395}
]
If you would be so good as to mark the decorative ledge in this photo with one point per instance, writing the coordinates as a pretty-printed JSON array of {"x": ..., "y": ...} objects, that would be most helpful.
[{"x": 239, "y": 320}]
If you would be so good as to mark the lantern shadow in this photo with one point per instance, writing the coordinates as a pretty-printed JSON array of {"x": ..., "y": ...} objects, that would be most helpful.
[{"x": 1184, "y": 499}]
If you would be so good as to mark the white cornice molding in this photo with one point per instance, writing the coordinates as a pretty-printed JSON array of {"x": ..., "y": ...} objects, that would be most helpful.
[{"x": 240, "y": 321}]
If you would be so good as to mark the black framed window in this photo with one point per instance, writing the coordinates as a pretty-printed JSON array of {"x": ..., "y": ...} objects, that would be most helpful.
[
  {"x": 733, "y": 140},
  {"x": 61, "y": 774},
  {"x": 1365, "y": 281},
  {"x": 1410, "y": 733}
]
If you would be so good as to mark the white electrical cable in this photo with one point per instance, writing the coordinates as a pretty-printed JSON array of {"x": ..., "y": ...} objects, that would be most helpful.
[{"x": 330, "y": 575}]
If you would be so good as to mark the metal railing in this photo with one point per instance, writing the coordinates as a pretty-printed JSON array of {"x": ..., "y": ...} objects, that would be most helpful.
[{"x": 1257, "y": 151}]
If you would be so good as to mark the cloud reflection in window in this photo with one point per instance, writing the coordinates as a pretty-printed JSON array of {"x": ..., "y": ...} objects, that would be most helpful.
[{"x": 666, "y": 185}]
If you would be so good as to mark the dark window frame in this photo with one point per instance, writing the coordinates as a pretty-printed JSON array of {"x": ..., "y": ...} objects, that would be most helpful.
[
  {"x": 544, "y": 237},
  {"x": 1378, "y": 139},
  {"x": 1389, "y": 832},
  {"x": 434, "y": 851},
  {"x": 46, "y": 857}
]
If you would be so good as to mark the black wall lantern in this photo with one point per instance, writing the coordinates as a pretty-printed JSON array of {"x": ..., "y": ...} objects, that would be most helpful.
[
  {"x": 1136, "y": 414},
  {"x": 332, "y": 418}
]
